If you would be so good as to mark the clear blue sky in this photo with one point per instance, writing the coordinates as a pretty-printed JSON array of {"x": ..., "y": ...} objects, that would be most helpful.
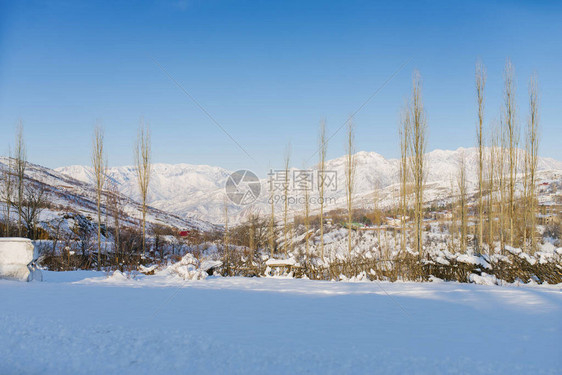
[{"x": 267, "y": 71}]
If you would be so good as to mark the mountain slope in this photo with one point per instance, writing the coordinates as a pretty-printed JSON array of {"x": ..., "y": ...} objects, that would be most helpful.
[
  {"x": 197, "y": 191},
  {"x": 66, "y": 194}
]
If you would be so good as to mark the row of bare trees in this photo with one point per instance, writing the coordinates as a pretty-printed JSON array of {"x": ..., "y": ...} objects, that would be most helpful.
[
  {"x": 413, "y": 142},
  {"x": 503, "y": 214},
  {"x": 142, "y": 154},
  {"x": 288, "y": 225},
  {"x": 25, "y": 197},
  {"x": 510, "y": 212},
  {"x": 21, "y": 195}
]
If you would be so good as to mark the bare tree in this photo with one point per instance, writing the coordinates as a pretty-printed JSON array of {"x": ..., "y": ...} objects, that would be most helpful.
[
  {"x": 55, "y": 227},
  {"x": 531, "y": 160},
  {"x": 258, "y": 225},
  {"x": 502, "y": 165},
  {"x": 491, "y": 174},
  {"x": 99, "y": 167},
  {"x": 404, "y": 132},
  {"x": 306, "y": 202},
  {"x": 226, "y": 237},
  {"x": 286, "y": 199},
  {"x": 323, "y": 148},
  {"x": 271, "y": 235},
  {"x": 462, "y": 202},
  {"x": 453, "y": 231},
  {"x": 512, "y": 130},
  {"x": 350, "y": 165},
  {"x": 33, "y": 203},
  {"x": 480, "y": 85},
  {"x": 143, "y": 163},
  {"x": 251, "y": 241},
  {"x": 377, "y": 214},
  {"x": 114, "y": 205},
  {"x": 8, "y": 180},
  {"x": 20, "y": 166},
  {"x": 417, "y": 161},
  {"x": 292, "y": 231}
]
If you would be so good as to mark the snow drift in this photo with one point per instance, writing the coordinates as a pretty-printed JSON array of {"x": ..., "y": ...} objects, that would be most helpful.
[
  {"x": 189, "y": 268},
  {"x": 17, "y": 257}
]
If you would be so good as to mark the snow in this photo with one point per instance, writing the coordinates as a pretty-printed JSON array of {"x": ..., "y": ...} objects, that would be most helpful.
[
  {"x": 86, "y": 322},
  {"x": 74, "y": 198},
  {"x": 207, "y": 265},
  {"x": 16, "y": 251},
  {"x": 483, "y": 279},
  {"x": 175, "y": 188},
  {"x": 188, "y": 268},
  {"x": 16, "y": 256},
  {"x": 197, "y": 191},
  {"x": 282, "y": 262},
  {"x": 472, "y": 259}
]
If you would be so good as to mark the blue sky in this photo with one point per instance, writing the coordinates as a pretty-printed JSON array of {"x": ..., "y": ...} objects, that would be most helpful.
[{"x": 268, "y": 72}]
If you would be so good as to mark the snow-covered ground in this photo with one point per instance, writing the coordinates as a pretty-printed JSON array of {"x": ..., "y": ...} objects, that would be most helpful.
[{"x": 85, "y": 322}]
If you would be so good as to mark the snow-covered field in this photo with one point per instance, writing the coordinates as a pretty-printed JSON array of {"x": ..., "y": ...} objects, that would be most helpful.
[{"x": 88, "y": 323}]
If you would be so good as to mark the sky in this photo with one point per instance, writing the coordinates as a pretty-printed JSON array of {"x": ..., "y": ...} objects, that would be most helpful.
[{"x": 264, "y": 74}]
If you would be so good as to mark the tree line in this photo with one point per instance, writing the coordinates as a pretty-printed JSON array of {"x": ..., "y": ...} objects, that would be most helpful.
[
  {"x": 504, "y": 214},
  {"x": 25, "y": 198},
  {"x": 503, "y": 217}
]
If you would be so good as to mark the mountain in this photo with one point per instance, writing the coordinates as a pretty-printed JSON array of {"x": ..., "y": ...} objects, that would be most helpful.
[
  {"x": 196, "y": 192},
  {"x": 68, "y": 196}
]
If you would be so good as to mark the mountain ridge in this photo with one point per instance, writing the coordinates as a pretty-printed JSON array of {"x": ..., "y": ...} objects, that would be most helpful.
[
  {"x": 66, "y": 194},
  {"x": 197, "y": 191}
]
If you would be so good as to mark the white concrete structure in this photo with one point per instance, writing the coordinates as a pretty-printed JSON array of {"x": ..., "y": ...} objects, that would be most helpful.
[{"x": 17, "y": 257}]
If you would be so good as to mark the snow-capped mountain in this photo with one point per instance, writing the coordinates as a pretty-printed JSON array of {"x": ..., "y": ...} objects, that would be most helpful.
[
  {"x": 197, "y": 191},
  {"x": 66, "y": 194},
  {"x": 194, "y": 192}
]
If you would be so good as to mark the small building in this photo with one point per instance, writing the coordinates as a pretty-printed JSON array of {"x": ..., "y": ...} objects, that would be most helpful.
[{"x": 184, "y": 233}]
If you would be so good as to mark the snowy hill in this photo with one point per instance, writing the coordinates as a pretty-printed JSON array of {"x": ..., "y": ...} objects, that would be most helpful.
[
  {"x": 194, "y": 192},
  {"x": 66, "y": 194},
  {"x": 197, "y": 191}
]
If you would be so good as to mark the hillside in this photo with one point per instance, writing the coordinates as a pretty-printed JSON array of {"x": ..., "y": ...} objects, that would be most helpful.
[
  {"x": 197, "y": 191},
  {"x": 67, "y": 195}
]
